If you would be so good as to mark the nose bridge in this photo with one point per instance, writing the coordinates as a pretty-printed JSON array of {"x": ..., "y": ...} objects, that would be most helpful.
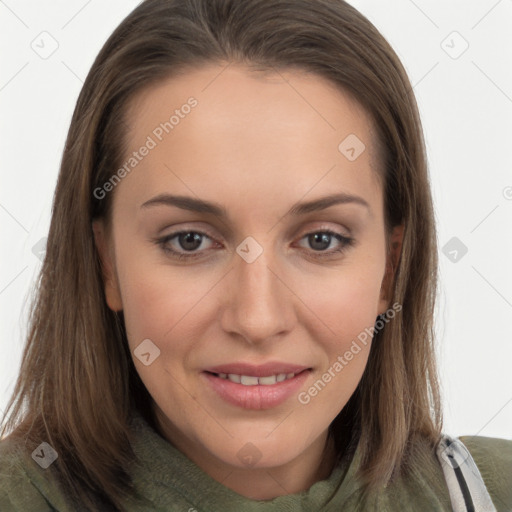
[{"x": 259, "y": 304}]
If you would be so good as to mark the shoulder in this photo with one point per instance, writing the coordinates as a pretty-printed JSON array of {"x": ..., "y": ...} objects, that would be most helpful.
[
  {"x": 18, "y": 491},
  {"x": 493, "y": 457}
]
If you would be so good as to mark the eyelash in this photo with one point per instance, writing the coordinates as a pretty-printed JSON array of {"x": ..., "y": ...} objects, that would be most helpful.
[{"x": 345, "y": 241}]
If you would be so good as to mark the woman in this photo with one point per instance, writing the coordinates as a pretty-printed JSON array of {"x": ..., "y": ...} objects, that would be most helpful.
[{"x": 237, "y": 299}]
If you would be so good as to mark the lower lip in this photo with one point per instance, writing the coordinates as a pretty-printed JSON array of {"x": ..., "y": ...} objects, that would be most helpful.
[{"x": 259, "y": 396}]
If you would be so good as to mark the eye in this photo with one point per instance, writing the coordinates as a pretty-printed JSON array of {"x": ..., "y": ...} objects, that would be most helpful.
[
  {"x": 319, "y": 241},
  {"x": 187, "y": 241},
  {"x": 189, "y": 244}
]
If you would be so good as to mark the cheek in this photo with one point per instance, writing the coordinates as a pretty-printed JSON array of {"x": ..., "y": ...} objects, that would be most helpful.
[
  {"x": 149, "y": 299},
  {"x": 346, "y": 308},
  {"x": 147, "y": 304},
  {"x": 347, "y": 301},
  {"x": 162, "y": 302},
  {"x": 346, "y": 345}
]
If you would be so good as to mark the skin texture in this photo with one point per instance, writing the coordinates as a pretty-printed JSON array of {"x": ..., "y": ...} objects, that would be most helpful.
[{"x": 256, "y": 144}]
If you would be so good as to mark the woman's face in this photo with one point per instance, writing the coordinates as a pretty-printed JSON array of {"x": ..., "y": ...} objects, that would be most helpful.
[{"x": 253, "y": 287}]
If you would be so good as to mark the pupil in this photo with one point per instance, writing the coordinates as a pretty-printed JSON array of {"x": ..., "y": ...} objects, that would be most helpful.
[
  {"x": 190, "y": 238},
  {"x": 323, "y": 238}
]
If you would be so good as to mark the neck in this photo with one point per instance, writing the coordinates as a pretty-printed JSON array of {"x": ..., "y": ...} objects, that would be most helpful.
[
  {"x": 314, "y": 464},
  {"x": 291, "y": 478}
]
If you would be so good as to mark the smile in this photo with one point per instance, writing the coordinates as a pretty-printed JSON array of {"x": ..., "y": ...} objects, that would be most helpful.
[
  {"x": 250, "y": 380},
  {"x": 255, "y": 392}
]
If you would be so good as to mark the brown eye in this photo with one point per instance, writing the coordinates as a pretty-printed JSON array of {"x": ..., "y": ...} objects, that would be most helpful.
[
  {"x": 183, "y": 244},
  {"x": 319, "y": 241},
  {"x": 189, "y": 241}
]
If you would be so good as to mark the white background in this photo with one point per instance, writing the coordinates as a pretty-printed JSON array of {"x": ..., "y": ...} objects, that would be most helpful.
[{"x": 466, "y": 108}]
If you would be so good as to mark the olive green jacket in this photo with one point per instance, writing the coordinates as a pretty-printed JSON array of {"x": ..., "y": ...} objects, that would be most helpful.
[{"x": 169, "y": 481}]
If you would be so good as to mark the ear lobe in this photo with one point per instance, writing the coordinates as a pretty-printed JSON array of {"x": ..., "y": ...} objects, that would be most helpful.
[
  {"x": 110, "y": 283},
  {"x": 392, "y": 260}
]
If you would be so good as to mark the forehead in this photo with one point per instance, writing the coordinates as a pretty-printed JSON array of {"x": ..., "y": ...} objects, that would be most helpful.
[{"x": 264, "y": 133}]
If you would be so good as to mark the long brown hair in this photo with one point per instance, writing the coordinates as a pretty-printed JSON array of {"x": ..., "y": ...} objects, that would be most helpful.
[{"x": 77, "y": 384}]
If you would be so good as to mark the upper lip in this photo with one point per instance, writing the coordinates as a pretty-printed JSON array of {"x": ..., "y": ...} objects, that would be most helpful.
[{"x": 263, "y": 370}]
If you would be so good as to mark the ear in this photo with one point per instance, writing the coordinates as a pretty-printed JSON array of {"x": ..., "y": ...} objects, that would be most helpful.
[
  {"x": 392, "y": 260},
  {"x": 110, "y": 282}
]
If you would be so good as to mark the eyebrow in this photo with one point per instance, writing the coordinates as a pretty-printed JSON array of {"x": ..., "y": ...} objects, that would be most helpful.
[{"x": 202, "y": 206}]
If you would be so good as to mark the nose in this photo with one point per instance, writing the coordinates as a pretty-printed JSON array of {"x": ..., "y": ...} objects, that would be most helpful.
[{"x": 258, "y": 303}]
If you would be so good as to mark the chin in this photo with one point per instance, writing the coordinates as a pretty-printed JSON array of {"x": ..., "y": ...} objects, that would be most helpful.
[{"x": 260, "y": 453}]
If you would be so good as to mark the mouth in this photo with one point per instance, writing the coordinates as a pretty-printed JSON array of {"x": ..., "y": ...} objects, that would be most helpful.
[
  {"x": 253, "y": 380},
  {"x": 257, "y": 387}
]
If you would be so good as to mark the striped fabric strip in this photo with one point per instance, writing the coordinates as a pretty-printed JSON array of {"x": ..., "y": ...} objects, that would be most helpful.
[{"x": 466, "y": 486}]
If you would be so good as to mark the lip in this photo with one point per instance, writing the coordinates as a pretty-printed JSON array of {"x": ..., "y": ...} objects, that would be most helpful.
[{"x": 258, "y": 397}]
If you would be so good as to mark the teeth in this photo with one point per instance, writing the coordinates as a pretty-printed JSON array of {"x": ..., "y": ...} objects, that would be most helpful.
[
  {"x": 272, "y": 379},
  {"x": 249, "y": 380}
]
